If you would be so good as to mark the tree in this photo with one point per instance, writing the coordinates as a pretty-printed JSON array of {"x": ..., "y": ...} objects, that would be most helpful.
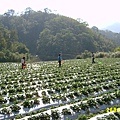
[
  {"x": 10, "y": 12},
  {"x": 46, "y": 10},
  {"x": 28, "y": 10}
]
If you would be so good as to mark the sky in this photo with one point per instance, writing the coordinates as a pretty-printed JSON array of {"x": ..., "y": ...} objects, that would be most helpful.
[{"x": 99, "y": 13}]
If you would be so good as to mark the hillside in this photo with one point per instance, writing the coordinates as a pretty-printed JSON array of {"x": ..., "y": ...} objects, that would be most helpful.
[
  {"x": 10, "y": 49},
  {"x": 47, "y": 34},
  {"x": 114, "y": 28},
  {"x": 107, "y": 34}
]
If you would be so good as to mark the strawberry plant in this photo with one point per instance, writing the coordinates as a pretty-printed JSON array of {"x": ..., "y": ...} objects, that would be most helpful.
[{"x": 55, "y": 115}]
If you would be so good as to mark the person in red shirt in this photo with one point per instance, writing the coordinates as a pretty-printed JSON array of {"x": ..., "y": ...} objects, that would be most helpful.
[{"x": 23, "y": 63}]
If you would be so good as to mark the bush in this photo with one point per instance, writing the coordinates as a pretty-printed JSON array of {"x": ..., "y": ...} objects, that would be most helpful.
[
  {"x": 102, "y": 55},
  {"x": 117, "y": 49},
  {"x": 115, "y": 55},
  {"x": 84, "y": 55},
  {"x": 78, "y": 57}
]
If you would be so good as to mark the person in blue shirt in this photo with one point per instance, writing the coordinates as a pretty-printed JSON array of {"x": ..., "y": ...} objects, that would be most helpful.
[{"x": 59, "y": 60}]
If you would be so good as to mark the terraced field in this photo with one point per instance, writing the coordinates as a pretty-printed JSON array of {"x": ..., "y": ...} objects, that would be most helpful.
[{"x": 78, "y": 90}]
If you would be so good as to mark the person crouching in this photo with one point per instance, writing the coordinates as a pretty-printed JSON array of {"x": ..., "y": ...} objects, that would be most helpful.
[{"x": 23, "y": 63}]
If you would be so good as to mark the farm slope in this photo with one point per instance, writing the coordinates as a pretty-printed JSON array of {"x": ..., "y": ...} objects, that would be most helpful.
[{"x": 44, "y": 91}]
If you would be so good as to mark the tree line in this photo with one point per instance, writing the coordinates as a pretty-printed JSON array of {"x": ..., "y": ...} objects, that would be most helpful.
[
  {"x": 10, "y": 49},
  {"x": 46, "y": 34}
]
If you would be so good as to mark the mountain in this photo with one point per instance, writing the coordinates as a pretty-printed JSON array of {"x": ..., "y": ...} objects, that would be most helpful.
[
  {"x": 47, "y": 34},
  {"x": 114, "y": 27}
]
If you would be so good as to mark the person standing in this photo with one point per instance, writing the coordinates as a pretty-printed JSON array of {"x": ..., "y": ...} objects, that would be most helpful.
[
  {"x": 59, "y": 60},
  {"x": 93, "y": 58},
  {"x": 23, "y": 63}
]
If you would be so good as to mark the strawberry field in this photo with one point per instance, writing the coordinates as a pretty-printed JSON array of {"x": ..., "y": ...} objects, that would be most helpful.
[{"x": 78, "y": 90}]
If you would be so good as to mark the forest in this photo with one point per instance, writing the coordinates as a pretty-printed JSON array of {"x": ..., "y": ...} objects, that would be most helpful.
[{"x": 45, "y": 34}]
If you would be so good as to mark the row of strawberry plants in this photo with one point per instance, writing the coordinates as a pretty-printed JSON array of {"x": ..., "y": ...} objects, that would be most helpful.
[
  {"x": 90, "y": 103},
  {"x": 71, "y": 70}
]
